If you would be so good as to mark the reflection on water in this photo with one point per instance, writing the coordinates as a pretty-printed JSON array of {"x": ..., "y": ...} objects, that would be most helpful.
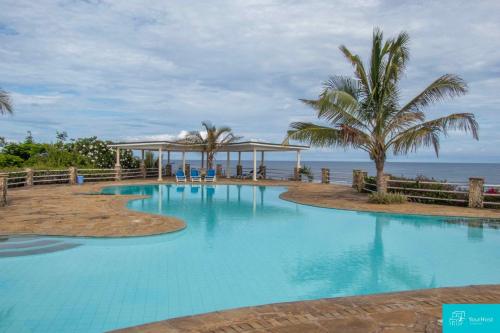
[{"x": 362, "y": 270}]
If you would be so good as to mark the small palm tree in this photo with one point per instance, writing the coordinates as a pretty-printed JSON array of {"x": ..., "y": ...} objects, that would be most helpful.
[
  {"x": 212, "y": 139},
  {"x": 5, "y": 103},
  {"x": 365, "y": 113}
]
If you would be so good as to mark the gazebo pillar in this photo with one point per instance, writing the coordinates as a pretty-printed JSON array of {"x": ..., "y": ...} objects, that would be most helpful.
[
  {"x": 262, "y": 167},
  {"x": 228, "y": 165},
  {"x": 143, "y": 165},
  {"x": 184, "y": 162},
  {"x": 118, "y": 167},
  {"x": 254, "y": 164},
  {"x": 160, "y": 166},
  {"x": 296, "y": 171}
]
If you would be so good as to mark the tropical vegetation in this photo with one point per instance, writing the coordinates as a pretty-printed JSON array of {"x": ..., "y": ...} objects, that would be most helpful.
[
  {"x": 212, "y": 139},
  {"x": 365, "y": 111},
  {"x": 5, "y": 103},
  {"x": 387, "y": 198},
  {"x": 6, "y": 107},
  {"x": 84, "y": 152}
]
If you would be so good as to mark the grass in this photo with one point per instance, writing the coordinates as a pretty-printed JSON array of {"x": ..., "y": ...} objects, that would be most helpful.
[{"x": 387, "y": 198}]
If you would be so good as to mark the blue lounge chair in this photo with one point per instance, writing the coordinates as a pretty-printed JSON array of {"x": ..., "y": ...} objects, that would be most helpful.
[
  {"x": 210, "y": 177},
  {"x": 180, "y": 176},
  {"x": 195, "y": 175}
]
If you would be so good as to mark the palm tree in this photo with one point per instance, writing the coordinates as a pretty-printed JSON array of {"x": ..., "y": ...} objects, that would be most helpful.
[
  {"x": 365, "y": 113},
  {"x": 5, "y": 103},
  {"x": 212, "y": 139}
]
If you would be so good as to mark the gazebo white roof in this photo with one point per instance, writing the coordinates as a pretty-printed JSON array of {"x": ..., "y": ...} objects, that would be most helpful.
[
  {"x": 246, "y": 146},
  {"x": 236, "y": 147}
]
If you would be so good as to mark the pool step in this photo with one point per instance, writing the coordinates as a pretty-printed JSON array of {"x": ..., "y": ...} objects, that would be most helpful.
[
  {"x": 22, "y": 245},
  {"x": 27, "y": 246},
  {"x": 15, "y": 239}
]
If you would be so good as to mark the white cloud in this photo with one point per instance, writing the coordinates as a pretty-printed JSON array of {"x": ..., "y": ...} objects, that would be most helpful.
[{"x": 122, "y": 69}]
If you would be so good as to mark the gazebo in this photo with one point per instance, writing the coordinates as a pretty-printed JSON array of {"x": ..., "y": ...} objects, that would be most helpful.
[{"x": 237, "y": 147}]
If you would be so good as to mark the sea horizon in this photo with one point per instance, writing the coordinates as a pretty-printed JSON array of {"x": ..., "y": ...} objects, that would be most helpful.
[{"x": 341, "y": 171}]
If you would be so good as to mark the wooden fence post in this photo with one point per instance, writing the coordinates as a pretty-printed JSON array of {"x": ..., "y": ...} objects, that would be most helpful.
[
  {"x": 142, "y": 166},
  {"x": 72, "y": 175},
  {"x": 262, "y": 171},
  {"x": 29, "y": 176},
  {"x": 3, "y": 189},
  {"x": 325, "y": 176},
  {"x": 358, "y": 180},
  {"x": 476, "y": 192}
]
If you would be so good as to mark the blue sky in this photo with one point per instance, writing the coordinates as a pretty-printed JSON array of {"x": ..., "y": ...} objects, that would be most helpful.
[{"x": 126, "y": 70}]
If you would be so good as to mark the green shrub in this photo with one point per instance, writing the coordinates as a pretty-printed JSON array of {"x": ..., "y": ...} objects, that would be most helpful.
[
  {"x": 57, "y": 156},
  {"x": 387, "y": 198},
  {"x": 307, "y": 172},
  {"x": 101, "y": 156},
  {"x": 10, "y": 161}
]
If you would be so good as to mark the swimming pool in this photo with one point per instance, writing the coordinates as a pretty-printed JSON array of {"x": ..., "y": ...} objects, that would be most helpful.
[{"x": 242, "y": 246}]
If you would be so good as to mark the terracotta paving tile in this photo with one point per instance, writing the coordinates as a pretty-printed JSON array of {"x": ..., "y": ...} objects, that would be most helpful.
[{"x": 278, "y": 317}]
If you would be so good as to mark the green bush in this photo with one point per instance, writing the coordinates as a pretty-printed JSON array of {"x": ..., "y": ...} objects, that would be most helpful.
[
  {"x": 422, "y": 186},
  {"x": 387, "y": 198},
  {"x": 101, "y": 156},
  {"x": 307, "y": 172},
  {"x": 58, "y": 156},
  {"x": 10, "y": 161},
  {"x": 24, "y": 150}
]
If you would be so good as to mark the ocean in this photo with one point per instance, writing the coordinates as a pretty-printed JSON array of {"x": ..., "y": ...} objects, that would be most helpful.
[{"x": 341, "y": 171}]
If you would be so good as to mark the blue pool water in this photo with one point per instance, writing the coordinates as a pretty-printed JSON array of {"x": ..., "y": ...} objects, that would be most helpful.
[{"x": 242, "y": 246}]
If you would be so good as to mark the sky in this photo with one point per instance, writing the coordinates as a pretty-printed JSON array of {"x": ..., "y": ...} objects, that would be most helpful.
[{"x": 130, "y": 70}]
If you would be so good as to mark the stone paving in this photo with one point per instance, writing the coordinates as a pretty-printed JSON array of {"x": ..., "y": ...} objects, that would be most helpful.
[
  {"x": 65, "y": 210},
  {"x": 413, "y": 311}
]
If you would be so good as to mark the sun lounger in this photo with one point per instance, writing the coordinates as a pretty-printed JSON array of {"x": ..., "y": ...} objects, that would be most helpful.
[
  {"x": 210, "y": 177},
  {"x": 195, "y": 175},
  {"x": 180, "y": 177}
]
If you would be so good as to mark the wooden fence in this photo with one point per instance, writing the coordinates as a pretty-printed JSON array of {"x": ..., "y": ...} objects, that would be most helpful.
[{"x": 473, "y": 193}]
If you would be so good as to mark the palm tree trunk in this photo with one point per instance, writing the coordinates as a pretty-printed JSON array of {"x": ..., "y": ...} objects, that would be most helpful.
[
  {"x": 210, "y": 160},
  {"x": 202, "y": 159},
  {"x": 381, "y": 183}
]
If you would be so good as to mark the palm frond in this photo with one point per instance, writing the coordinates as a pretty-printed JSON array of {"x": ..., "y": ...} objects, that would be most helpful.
[
  {"x": 446, "y": 86},
  {"x": 337, "y": 107},
  {"x": 428, "y": 133},
  {"x": 343, "y": 83},
  {"x": 5, "y": 103},
  {"x": 359, "y": 69},
  {"x": 324, "y": 136}
]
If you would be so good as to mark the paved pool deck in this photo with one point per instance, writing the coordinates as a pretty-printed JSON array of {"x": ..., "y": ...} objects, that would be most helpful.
[
  {"x": 79, "y": 210},
  {"x": 404, "y": 312}
]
